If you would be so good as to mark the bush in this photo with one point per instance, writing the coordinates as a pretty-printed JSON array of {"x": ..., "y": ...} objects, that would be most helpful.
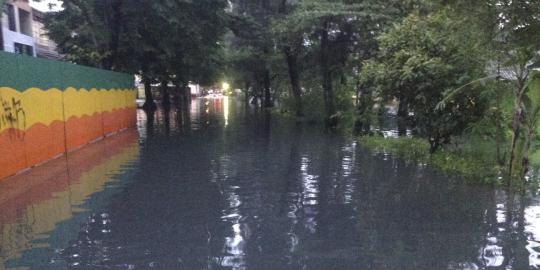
[{"x": 473, "y": 161}]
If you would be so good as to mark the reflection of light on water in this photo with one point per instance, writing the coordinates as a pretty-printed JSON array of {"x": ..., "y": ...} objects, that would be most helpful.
[
  {"x": 226, "y": 109},
  {"x": 463, "y": 266},
  {"x": 532, "y": 228},
  {"x": 310, "y": 195},
  {"x": 347, "y": 165},
  {"x": 234, "y": 256},
  {"x": 235, "y": 244},
  {"x": 310, "y": 184},
  {"x": 49, "y": 198},
  {"x": 492, "y": 254},
  {"x": 501, "y": 213}
]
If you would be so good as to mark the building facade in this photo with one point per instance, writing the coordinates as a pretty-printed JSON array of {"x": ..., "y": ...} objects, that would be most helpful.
[
  {"x": 23, "y": 31},
  {"x": 17, "y": 28},
  {"x": 45, "y": 47}
]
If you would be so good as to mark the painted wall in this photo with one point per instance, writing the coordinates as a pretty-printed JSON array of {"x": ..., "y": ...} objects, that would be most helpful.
[{"x": 48, "y": 108}]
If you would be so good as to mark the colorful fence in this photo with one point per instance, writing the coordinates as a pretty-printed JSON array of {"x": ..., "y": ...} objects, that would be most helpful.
[{"x": 48, "y": 108}]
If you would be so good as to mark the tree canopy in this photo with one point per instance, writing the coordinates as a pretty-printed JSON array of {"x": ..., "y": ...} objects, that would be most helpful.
[
  {"x": 162, "y": 40},
  {"x": 451, "y": 68}
]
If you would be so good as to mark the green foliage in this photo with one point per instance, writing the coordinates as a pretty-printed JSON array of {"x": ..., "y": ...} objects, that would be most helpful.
[
  {"x": 531, "y": 106},
  {"x": 251, "y": 49},
  {"x": 314, "y": 105},
  {"x": 422, "y": 59},
  {"x": 460, "y": 68},
  {"x": 532, "y": 101},
  {"x": 535, "y": 158},
  {"x": 472, "y": 160},
  {"x": 163, "y": 40},
  {"x": 337, "y": 36}
]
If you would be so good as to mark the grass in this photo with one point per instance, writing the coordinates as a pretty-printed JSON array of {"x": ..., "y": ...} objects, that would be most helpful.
[{"x": 474, "y": 160}]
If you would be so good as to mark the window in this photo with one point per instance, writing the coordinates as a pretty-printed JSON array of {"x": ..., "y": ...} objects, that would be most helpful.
[
  {"x": 23, "y": 49},
  {"x": 25, "y": 21},
  {"x": 10, "y": 10}
]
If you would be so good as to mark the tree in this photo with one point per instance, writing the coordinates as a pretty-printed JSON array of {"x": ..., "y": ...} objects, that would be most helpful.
[
  {"x": 516, "y": 44},
  {"x": 88, "y": 32},
  {"x": 337, "y": 32},
  {"x": 420, "y": 60},
  {"x": 251, "y": 27},
  {"x": 163, "y": 41},
  {"x": 529, "y": 123},
  {"x": 509, "y": 29},
  {"x": 291, "y": 43}
]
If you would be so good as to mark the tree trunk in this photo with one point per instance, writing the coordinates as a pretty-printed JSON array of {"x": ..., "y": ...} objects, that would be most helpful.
[
  {"x": 114, "y": 20},
  {"x": 518, "y": 118},
  {"x": 292, "y": 66},
  {"x": 500, "y": 129},
  {"x": 498, "y": 143},
  {"x": 167, "y": 119},
  {"x": 257, "y": 90},
  {"x": 402, "y": 115},
  {"x": 328, "y": 92},
  {"x": 149, "y": 104},
  {"x": 165, "y": 98},
  {"x": 246, "y": 93},
  {"x": 267, "y": 88},
  {"x": 434, "y": 143},
  {"x": 187, "y": 93},
  {"x": 364, "y": 107},
  {"x": 177, "y": 92},
  {"x": 525, "y": 158},
  {"x": 150, "y": 122},
  {"x": 403, "y": 108},
  {"x": 516, "y": 131}
]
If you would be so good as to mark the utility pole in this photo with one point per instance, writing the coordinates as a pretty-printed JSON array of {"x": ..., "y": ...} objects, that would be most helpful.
[
  {"x": 1, "y": 30},
  {"x": 2, "y": 2}
]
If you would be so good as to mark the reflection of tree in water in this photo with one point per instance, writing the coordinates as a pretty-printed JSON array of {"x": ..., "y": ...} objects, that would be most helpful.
[
  {"x": 506, "y": 240},
  {"x": 183, "y": 118},
  {"x": 380, "y": 212},
  {"x": 413, "y": 220},
  {"x": 256, "y": 194},
  {"x": 16, "y": 237},
  {"x": 398, "y": 213},
  {"x": 534, "y": 175}
]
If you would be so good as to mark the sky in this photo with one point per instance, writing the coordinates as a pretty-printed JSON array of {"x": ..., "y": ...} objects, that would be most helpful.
[{"x": 43, "y": 5}]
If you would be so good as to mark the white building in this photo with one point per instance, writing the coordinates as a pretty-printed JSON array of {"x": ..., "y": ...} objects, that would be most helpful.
[
  {"x": 44, "y": 46},
  {"x": 23, "y": 31},
  {"x": 17, "y": 27}
]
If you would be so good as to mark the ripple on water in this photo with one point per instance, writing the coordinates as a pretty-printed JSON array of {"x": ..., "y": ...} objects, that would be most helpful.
[{"x": 249, "y": 191}]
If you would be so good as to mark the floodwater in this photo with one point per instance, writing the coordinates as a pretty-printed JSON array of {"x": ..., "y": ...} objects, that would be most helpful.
[{"x": 220, "y": 186}]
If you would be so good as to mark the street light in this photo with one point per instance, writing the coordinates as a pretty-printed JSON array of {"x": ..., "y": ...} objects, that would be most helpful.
[{"x": 225, "y": 86}]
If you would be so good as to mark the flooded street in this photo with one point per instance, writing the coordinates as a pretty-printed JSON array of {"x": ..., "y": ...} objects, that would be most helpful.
[{"x": 220, "y": 186}]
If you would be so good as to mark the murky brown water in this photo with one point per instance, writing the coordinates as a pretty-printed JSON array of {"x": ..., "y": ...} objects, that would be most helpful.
[{"x": 222, "y": 187}]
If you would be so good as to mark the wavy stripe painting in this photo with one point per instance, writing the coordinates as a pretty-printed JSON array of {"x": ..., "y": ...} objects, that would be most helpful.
[{"x": 43, "y": 121}]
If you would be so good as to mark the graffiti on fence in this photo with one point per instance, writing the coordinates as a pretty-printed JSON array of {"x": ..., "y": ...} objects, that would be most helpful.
[{"x": 12, "y": 116}]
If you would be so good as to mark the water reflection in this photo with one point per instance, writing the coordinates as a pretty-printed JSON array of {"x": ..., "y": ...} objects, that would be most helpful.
[
  {"x": 219, "y": 185},
  {"x": 38, "y": 208}
]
